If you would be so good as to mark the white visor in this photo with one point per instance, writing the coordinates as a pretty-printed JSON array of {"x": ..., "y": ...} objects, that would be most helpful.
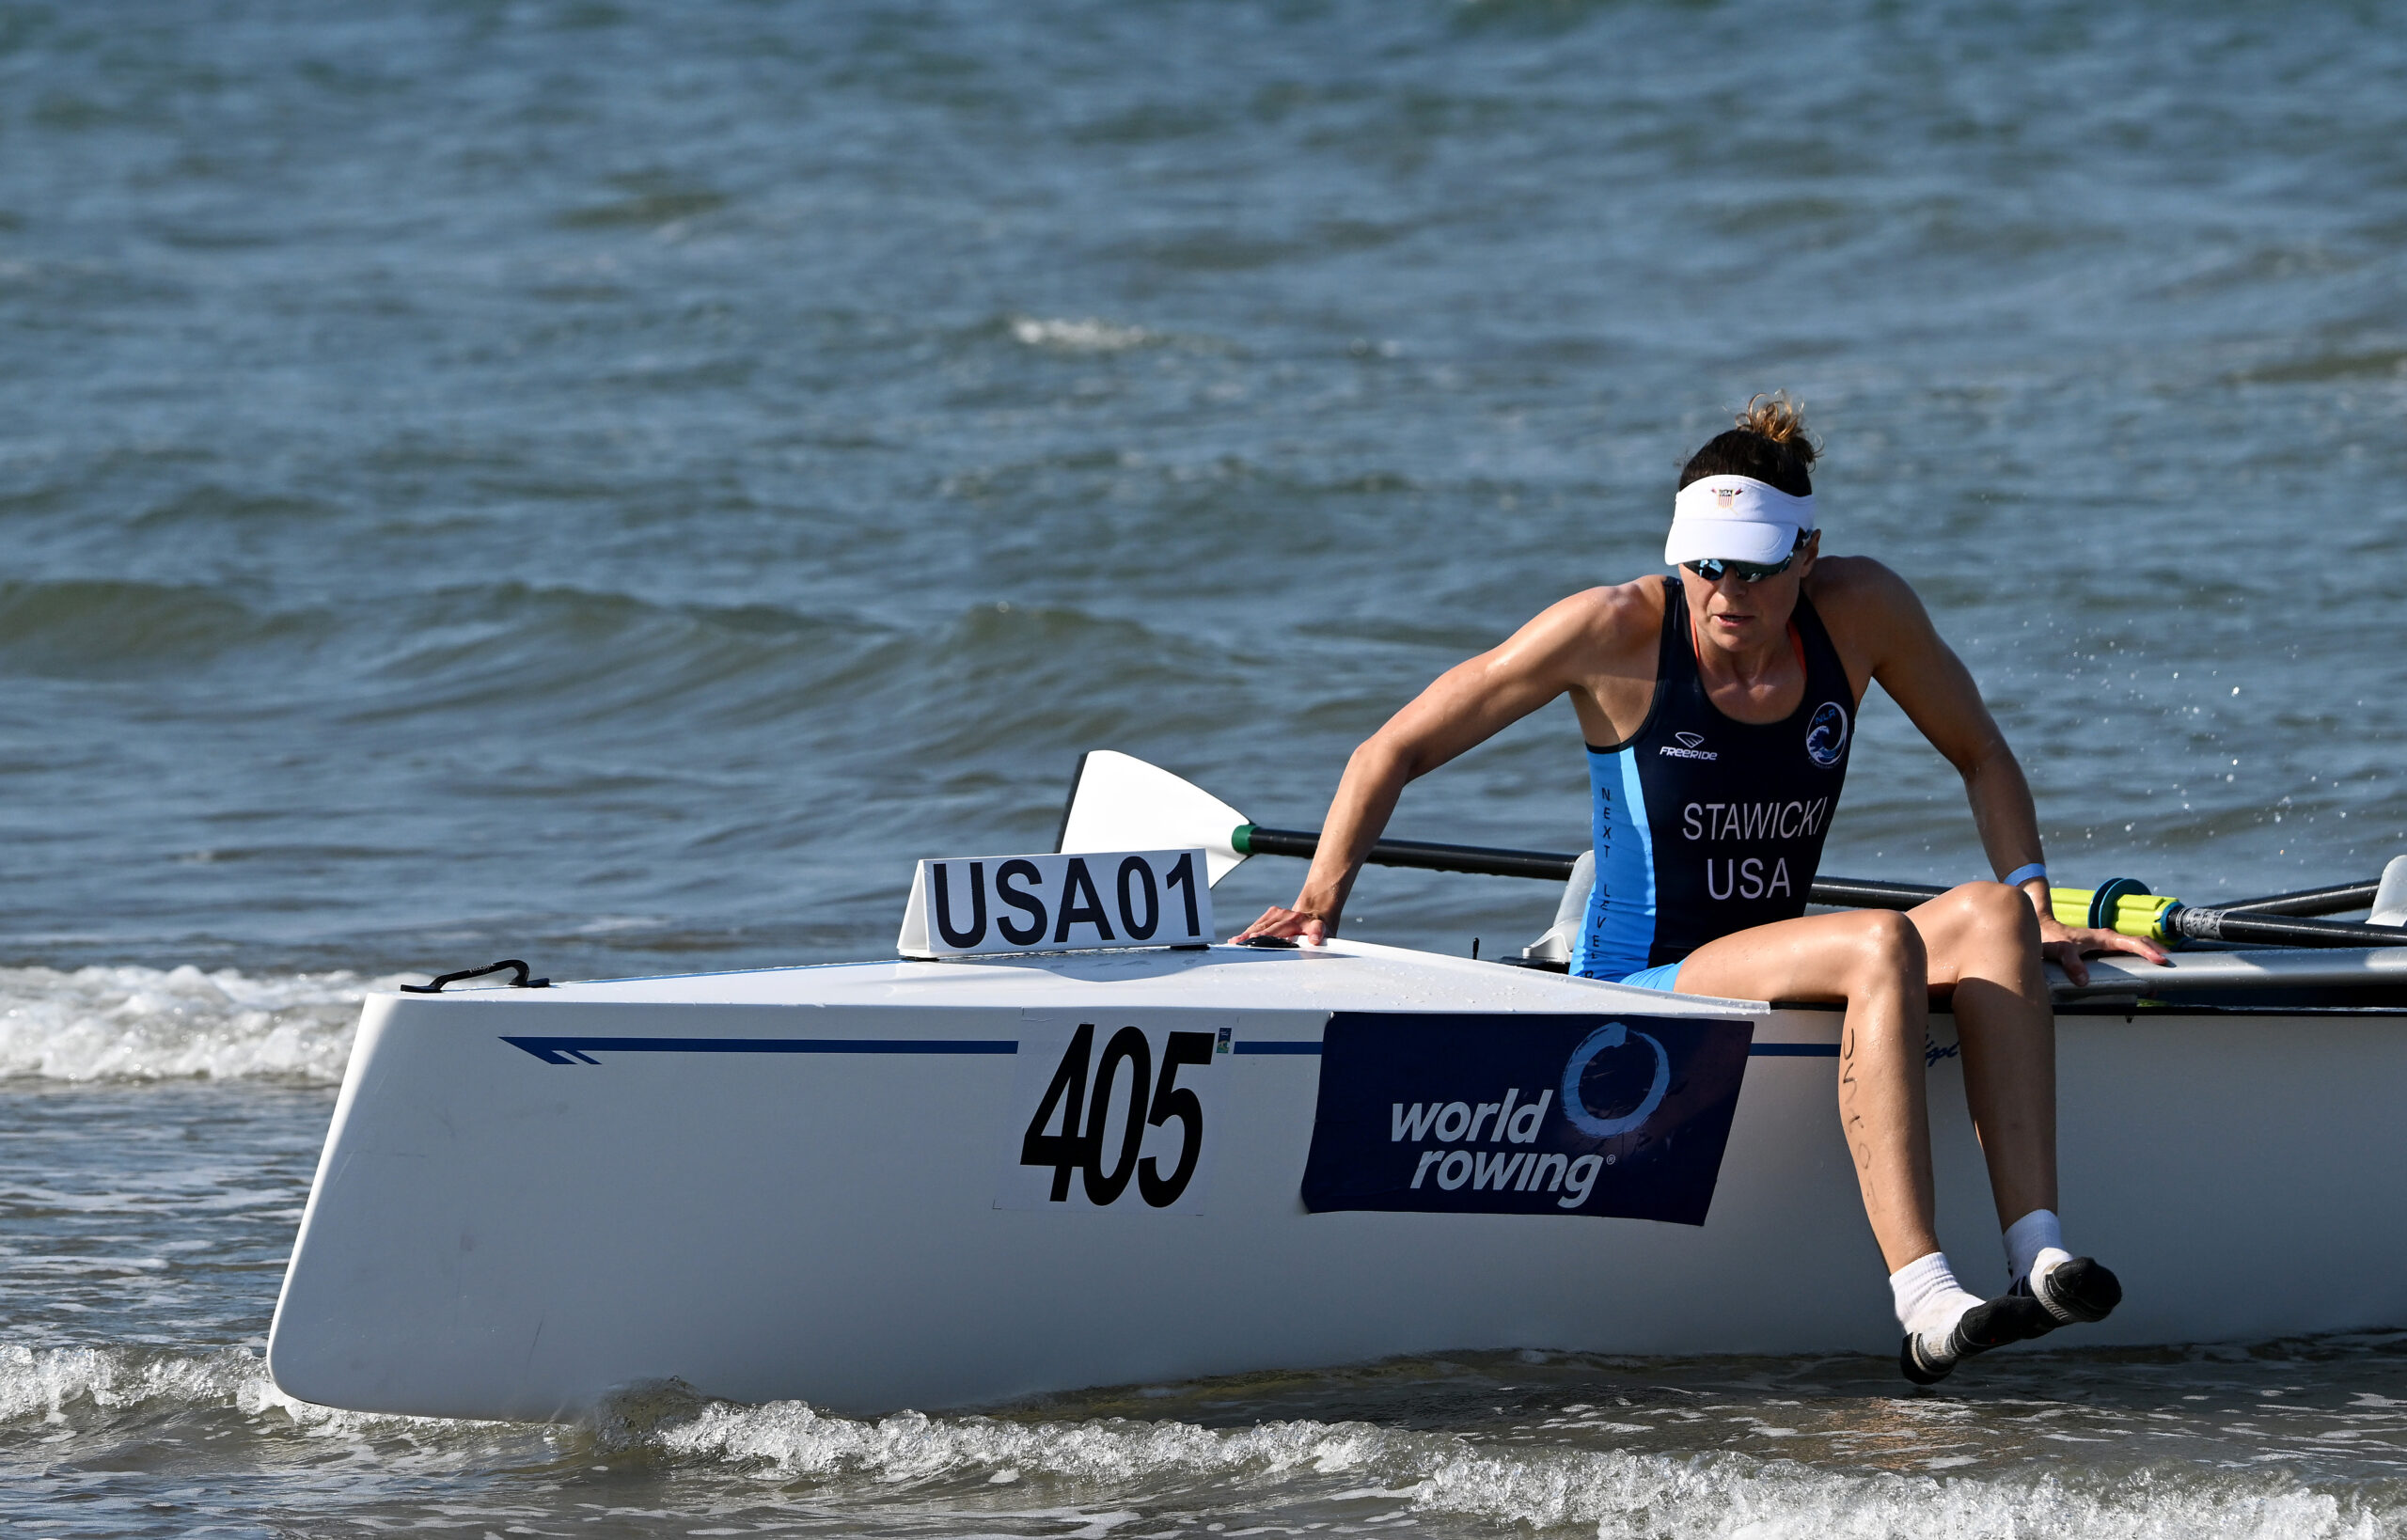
[{"x": 1735, "y": 518}]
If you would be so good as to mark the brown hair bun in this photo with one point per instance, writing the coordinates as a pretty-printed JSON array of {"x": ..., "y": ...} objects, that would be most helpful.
[
  {"x": 1781, "y": 420},
  {"x": 1769, "y": 444}
]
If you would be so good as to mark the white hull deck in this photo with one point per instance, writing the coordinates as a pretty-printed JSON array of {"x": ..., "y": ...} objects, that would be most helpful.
[{"x": 787, "y": 1185}]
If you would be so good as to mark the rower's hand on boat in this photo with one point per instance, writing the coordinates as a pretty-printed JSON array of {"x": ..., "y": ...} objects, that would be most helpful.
[
  {"x": 1304, "y": 926},
  {"x": 2067, "y": 944}
]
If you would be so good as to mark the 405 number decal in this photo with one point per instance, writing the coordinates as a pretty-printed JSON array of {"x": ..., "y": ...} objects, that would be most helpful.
[{"x": 1111, "y": 1114}]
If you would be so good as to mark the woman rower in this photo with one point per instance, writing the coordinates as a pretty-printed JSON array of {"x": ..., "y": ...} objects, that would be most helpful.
[{"x": 1726, "y": 697}]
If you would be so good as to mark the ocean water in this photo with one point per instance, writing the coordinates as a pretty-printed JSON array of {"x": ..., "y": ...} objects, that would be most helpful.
[{"x": 614, "y": 484}]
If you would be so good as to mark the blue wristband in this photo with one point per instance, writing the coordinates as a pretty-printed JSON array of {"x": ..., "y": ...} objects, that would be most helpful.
[{"x": 2022, "y": 875}]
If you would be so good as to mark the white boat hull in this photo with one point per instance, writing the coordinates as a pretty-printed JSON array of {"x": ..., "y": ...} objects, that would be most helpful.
[{"x": 493, "y": 1233}]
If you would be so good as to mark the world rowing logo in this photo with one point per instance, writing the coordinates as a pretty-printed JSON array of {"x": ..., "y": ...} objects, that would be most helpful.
[
  {"x": 1826, "y": 738},
  {"x": 1530, "y": 1114},
  {"x": 1606, "y": 1053}
]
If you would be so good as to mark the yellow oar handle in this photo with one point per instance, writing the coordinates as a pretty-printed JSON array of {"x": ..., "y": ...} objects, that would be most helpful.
[{"x": 2123, "y": 905}]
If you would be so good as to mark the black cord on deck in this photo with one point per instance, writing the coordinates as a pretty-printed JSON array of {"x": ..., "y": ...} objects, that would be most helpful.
[{"x": 521, "y": 982}]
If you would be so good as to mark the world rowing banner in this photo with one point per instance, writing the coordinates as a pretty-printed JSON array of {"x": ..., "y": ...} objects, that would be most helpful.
[{"x": 1622, "y": 1117}]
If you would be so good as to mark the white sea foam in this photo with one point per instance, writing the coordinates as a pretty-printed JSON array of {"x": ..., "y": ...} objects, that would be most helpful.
[
  {"x": 1613, "y": 1494},
  {"x": 1635, "y": 1496},
  {"x": 909, "y": 1446},
  {"x": 48, "y": 1384},
  {"x": 148, "y": 1024},
  {"x": 1078, "y": 336},
  {"x": 1290, "y": 1466}
]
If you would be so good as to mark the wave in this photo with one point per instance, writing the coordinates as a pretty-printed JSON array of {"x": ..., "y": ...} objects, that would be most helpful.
[
  {"x": 1087, "y": 336},
  {"x": 1334, "y": 1468},
  {"x": 80, "y": 629},
  {"x": 1613, "y": 1494},
  {"x": 582, "y": 655},
  {"x": 790, "y": 1440},
  {"x": 52, "y": 1385},
  {"x": 131, "y": 1023},
  {"x": 609, "y": 667},
  {"x": 1649, "y": 1496},
  {"x": 44, "y": 1384},
  {"x": 612, "y": 664},
  {"x": 456, "y": 647}
]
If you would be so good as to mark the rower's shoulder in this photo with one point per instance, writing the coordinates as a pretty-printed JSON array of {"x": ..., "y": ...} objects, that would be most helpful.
[
  {"x": 1872, "y": 615},
  {"x": 1618, "y": 612},
  {"x": 1845, "y": 585},
  {"x": 1596, "y": 632}
]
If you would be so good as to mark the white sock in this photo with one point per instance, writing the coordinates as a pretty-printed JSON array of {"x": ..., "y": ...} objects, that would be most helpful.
[
  {"x": 1929, "y": 1300},
  {"x": 2028, "y": 1241}
]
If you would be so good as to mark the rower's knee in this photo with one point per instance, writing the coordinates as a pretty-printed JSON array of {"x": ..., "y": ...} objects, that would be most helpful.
[
  {"x": 1992, "y": 912},
  {"x": 1888, "y": 951}
]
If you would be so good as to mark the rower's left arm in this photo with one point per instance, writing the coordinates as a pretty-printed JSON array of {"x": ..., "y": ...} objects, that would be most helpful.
[{"x": 1922, "y": 674}]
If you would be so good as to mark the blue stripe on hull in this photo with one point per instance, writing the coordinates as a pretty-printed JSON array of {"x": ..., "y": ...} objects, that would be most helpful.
[
  {"x": 1760, "y": 1050},
  {"x": 577, "y": 1050}
]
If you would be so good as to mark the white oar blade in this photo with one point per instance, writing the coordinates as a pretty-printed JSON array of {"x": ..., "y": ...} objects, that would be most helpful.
[
  {"x": 2390, "y": 899},
  {"x": 1119, "y": 802}
]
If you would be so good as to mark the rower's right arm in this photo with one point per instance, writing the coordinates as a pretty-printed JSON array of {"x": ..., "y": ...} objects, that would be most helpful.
[{"x": 1568, "y": 647}]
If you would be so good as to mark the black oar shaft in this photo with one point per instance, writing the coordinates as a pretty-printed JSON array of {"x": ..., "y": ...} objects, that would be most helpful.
[
  {"x": 1841, "y": 892},
  {"x": 2256, "y": 923},
  {"x": 1860, "y": 894},
  {"x": 2266, "y": 930},
  {"x": 1479, "y": 859},
  {"x": 2309, "y": 901}
]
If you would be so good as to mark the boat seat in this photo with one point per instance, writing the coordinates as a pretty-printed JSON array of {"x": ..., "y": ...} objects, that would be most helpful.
[{"x": 1555, "y": 945}]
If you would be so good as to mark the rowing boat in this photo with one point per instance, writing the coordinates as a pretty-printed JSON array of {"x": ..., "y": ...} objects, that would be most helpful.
[{"x": 948, "y": 1182}]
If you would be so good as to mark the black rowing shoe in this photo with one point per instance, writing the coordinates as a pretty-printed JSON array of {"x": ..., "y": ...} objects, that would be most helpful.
[
  {"x": 1995, "y": 1322},
  {"x": 2080, "y": 1290}
]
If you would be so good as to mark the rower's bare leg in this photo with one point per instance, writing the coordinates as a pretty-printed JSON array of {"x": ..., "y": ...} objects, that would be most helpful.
[
  {"x": 1983, "y": 941},
  {"x": 1874, "y": 962}
]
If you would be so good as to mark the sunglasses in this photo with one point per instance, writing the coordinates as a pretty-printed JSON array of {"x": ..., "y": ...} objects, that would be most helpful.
[{"x": 1713, "y": 569}]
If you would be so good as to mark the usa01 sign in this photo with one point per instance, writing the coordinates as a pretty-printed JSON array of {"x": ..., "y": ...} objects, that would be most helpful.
[
  {"x": 964, "y": 907},
  {"x": 1618, "y": 1116},
  {"x": 1114, "y": 1112}
]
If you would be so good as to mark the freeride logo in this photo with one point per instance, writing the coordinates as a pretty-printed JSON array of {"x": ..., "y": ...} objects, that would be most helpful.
[{"x": 1689, "y": 748}]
